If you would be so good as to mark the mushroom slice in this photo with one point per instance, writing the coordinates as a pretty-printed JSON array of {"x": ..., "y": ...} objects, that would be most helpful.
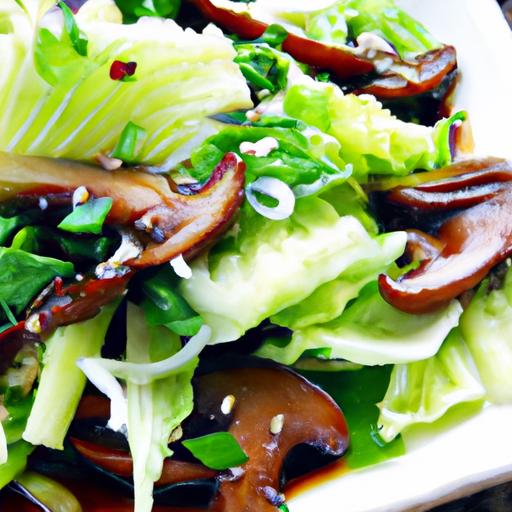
[
  {"x": 475, "y": 241},
  {"x": 397, "y": 77},
  {"x": 167, "y": 223}
]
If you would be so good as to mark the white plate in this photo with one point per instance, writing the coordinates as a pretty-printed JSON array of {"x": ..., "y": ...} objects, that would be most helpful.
[{"x": 463, "y": 455}]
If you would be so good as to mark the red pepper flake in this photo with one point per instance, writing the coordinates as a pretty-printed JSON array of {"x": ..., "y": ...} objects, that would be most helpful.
[
  {"x": 57, "y": 284},
  {"x": 120, "y": 70}
]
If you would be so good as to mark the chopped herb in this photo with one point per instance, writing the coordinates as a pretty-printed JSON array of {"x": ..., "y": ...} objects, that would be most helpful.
[
  {"x": 8, "y": 312},
  {"x": 23, "y": 275},
  {"x": 275, "y": 35},
  {"x": 88, "y": 217},
  {"x": 217, "y": 451},
  {"x": 130, "y": 141},
  {"x": 284, "y": 508},
  {"x": 133, "y": 9},
  {"x": 78, "y": 40}
]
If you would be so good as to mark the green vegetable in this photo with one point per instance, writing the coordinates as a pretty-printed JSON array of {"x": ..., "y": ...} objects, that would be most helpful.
[
  {"x": 164, "y": 305},
  {"x": 49, "y": 492},
  {"x": 16, "y": 462},
  {"x": 61, "y": 383},
  {"x": 88, "y": 217},
  {"x": 371, "y": 332},
  {"x": 308, "y": 162},
  {"x": 23, "y": 275},
  {"x": 372, "y": 140},
  {"x": 57, "y": 102},
  {"x": 217, "y": 451},
  {"x": 328, "y": 25},
  {"x": 262, "y": 66},
  {"x": 272, "y": 265},
  {"x": 387, "y": 20},
  {"x": 328, "y": 301},
  {"x": 155, "y": 409},
  {"x": 78, "y": 40},
  {"x": 422, "y": 392},
  {"x": 134, "y": 9},
  {"x": 15, "y": 423},
  {"x": 9, "y": 225},
  {"x": 8, "y": 312},
  {"x": 130, "y": 142},
  {"x": 486, "y": 326},
  {"x": 358, "y": 392}
]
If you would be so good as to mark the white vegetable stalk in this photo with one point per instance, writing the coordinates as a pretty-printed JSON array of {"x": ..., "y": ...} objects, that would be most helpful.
[
  {"x": 181, "y": 267},
  {"x": 145, "y": 373},
  {"x": 3, "y": 445},
  {"x": 109, "y": 386},
  {"x": 278, "y": 190}
]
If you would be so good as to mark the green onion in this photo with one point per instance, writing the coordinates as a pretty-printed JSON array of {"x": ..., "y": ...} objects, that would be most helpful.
[
  {"x": 130, "y": 141},
  {"x": 275, "y": 35},
  {"x": 78, "y": 40},
  {"x": 217, "y": 451},
  {"x": 255, "y": 78},
  {"x": 284, "y": 508},
  {"x": 8, "y": 312},
  {"x": 88, "y": 217}
]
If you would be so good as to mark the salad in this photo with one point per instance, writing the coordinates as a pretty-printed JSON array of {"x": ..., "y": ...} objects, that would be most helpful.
[{"x": 239, "y": 241}]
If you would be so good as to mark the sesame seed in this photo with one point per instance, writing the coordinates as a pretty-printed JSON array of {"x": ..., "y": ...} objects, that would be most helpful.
[
  {"x": 80, "y": 196},
  {"x": 277, "y": 424},
  {"x": 176, "y": 434},
  {"x": 43, "y": 203},
  {"x": 33, "y": 324},
  {"x": 227, "y": 404}
]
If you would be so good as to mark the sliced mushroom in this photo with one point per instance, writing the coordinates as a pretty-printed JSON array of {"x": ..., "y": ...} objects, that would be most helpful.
[
  {"x": 395, "y": 77},
  {"x": 276, "y": 411},
  {"x": 474, "y": 241},
  {"x": 167, "y": 223}
]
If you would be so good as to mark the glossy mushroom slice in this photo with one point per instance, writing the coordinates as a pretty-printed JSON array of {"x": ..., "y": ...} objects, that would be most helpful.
[
  {"x": 275, "y": 410},
  {"x": 395, "y": 77},
  {"x": 167, "y": 223},
  {"x": 474, "y": 242}
]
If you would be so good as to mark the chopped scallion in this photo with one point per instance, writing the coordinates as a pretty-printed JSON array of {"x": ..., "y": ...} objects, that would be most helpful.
[
  {"x": 130, "y": 141},
  {"x": 88, "y": 217}
]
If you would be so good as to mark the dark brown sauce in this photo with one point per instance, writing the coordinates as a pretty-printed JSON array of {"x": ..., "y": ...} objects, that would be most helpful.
[{"x": 310, "y": 481}]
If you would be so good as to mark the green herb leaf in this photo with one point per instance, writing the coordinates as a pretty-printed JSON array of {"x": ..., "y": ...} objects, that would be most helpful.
[
  {"x": 275, "y": 35},
  {"x": 88, "y": 217},
  {"x": 217, "y": 451},
  {"x": 9, "y": 225},
  {"x": 23, "y": 275},
  {"x": 131, "y": 139},
  {"x": 78, "y": 40},
  {"x": 8, "y": 312},
  {"x": 164, "y": 305}
]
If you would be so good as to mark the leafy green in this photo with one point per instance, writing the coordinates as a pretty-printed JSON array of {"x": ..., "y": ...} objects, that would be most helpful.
[
  {"x": 219, "y": 450},
  {"x": 57, "y": 102},
  {"x": 8, "y": 225},
  {"x": 155, "y": 409},
  {"x": 386, "y": 19},
  {"x": 423, "y": 391},
  {"x": 61, "y": 383},
  {"x": 371, "y": 332},
  {"x": 372, "y": 140},
  {"x": 328, "y": 25},
  {"x": 302, "y": 159},
  {"x": 163, "y": 305},
  {"x": 269, "y": 266},
  {"x": 328, "y": 301},
  {"x": 134, "y": 9},
  {"x": 262, "y": 66},
  {"x": 357, "y": 392},
  {"x": 15, "y": 423},
  {"x": 16, "y": 462},
  {"x": 23, "y": 275},
  {"x": 486, "y": 326},
  {"x": 77, "y": 39},
  {"x": 88, "y": 217},
  {"x": 130, "y": 141}
]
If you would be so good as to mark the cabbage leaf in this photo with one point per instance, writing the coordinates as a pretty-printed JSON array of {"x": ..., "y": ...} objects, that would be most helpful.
[
  {"x": 59, "y": 102},
  {"x": 423, "y": 391},
  {"x": 372, "y": 139},
  {"x": 371, "y": 332},
  {"x": 154, "y": 409},
  {"x": 264, "y": 266},
  {"x": 487, "y": 328}
]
